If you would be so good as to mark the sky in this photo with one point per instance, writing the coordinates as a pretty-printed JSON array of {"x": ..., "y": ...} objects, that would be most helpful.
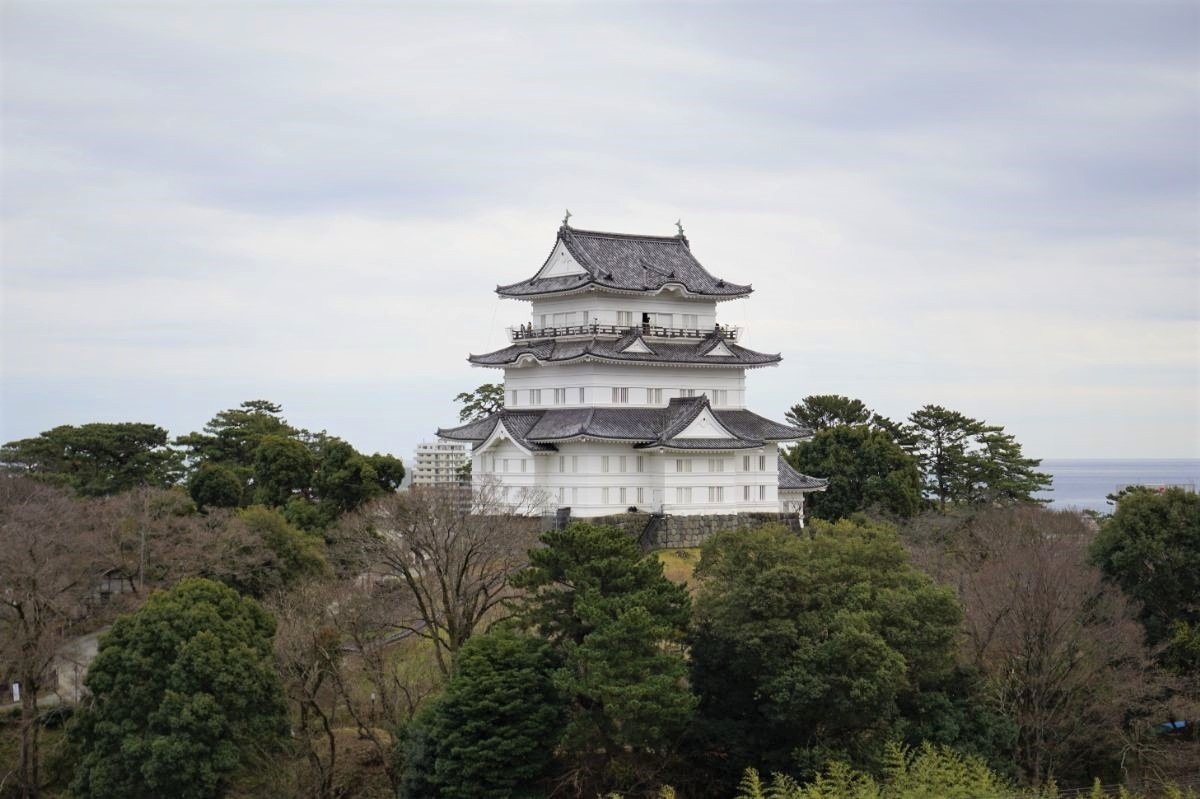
[{"x": 989, "y": 206}]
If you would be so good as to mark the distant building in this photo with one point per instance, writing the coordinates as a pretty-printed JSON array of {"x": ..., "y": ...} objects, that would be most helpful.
[
  {"x": 622, "y": 391},
  {"x": 440, "y": 463}
]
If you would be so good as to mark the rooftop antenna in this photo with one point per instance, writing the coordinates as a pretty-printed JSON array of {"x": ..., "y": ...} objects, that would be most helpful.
[
  {"x": 679, "y": 224},
  {"x": 567, "y": 219}
]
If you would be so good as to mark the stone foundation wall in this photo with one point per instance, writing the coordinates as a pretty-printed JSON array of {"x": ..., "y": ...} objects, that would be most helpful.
[{"x": 680, "y": 532}]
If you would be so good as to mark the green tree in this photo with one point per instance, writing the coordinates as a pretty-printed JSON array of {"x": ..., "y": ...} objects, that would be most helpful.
[
  {"x": 867, "y": 470},
  {"x": 214, "y": 485},
  {"x": 295, "y": 554},
  {"x": 805, "y": 649},
  {"x": 616, "y": 623},
  {"x": 965, "y": 461},
  {"x": 480, "y": 403},
  {"x": 494, "y": 729},
  {"x": 821, "y": 411},
  {"x": 1150, "y": 547},
  {"x": 251, "y": 454},
  {"x": 184, "y": 694},
  {"x": 97, "y": 459}
]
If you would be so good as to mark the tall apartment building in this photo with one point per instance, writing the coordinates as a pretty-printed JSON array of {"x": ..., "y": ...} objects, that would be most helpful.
[{"x": 440, "y": 463}]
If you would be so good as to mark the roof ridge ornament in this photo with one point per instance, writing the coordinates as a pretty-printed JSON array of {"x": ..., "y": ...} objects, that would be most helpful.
[
  {"x": 679, "y": 225},
  {"x": 567, "y": 218}
]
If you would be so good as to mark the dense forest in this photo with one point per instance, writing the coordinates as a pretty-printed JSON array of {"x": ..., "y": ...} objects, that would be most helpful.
[{"x": 270, "y": 616}]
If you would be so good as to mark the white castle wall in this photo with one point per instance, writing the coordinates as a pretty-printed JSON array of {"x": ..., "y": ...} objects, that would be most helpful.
[
  {"x": 576, "y": 477},
  {"x": 598, "y": 379},
  {"x": 603, "y": 309}
]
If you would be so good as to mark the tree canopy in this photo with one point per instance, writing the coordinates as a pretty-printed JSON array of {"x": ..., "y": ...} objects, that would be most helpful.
[
  {"x": 820, "y": 411},
  {"x": 615, "y": 622},
  {"x": 1150, "y": 547},
  {"x": 184, "y": 694},
  {"x": 866, "y": 468},
  {"x": 251, "y": 455},
  {"x": 98, "y": 458},
  {"x": 966, "y": 461},
  {"x": 805, "y": 649},
  {"x": 480, "y": 403}
]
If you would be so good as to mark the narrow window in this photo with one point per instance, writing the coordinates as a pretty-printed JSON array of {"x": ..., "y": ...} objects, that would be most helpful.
[
  {"x": 621, "y": 492},
  {"x": 604, "y": 496},
  {"x": 523, "y": 464},
  {"x": 621, "y": 464},
  {"x": 562, "y": 495},
  {"x": 641, "y": 496},
  {"x": 762, "y": 492},
  {"x": 746, "y": 465},
  {"x": 746, "y": 493},
  {"x": 604, "y": 463},
  {"x": 641, "y": 463},
  {"x": 562, "y": 463},
  {"x": 535, "y": 396},
  {"x": 581, "y": 394},
  {"x": 560, "y": 396},
  {"x": 762, "y": 463},
  {"x": 574, "y": 463}
]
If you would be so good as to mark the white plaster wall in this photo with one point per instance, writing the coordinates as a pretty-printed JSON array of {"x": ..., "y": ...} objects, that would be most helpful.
[
  {"x": 574, "y": 476},
  {"x": 598, "y": 380},
  {"x": 604, "y": 307}
]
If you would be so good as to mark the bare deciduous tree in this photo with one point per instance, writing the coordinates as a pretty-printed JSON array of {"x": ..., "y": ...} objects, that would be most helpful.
[
  {"x": 453, "y": 551},
  {"x": 1062, "y": 648},
  {"x": 48, "y": 572}
]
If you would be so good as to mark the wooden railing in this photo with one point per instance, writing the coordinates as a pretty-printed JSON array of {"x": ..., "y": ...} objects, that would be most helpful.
[{"x": 528, "y": 332}]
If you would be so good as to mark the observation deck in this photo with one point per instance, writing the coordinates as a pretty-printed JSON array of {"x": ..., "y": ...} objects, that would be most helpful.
[{"x": 530, "y": 333}]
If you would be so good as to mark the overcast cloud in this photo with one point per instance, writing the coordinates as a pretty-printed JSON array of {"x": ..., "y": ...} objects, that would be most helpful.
[{"x": 989, "y": 206}]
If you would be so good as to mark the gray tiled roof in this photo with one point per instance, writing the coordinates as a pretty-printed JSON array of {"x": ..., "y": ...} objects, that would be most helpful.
[
  {"x": 642, "y": 427},
  {"x": 627, "y": 262},
  {"x": 552, "y": 351},
  {"x": 792, "y": 480}
]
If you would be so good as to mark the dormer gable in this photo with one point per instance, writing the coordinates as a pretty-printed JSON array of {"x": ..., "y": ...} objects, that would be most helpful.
[
  {"x": 638, "y": 345},
  {"x": 560, "y": 263},
  {"x": 720, "y": 350},
  {"x": 705, "y": 425}
]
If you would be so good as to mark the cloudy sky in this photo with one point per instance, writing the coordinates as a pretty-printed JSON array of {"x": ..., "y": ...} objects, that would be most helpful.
[{"x": 989, "y": 206}]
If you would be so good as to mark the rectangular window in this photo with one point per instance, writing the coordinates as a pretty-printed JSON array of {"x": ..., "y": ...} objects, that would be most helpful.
[
  {"x": 683, "y": 464},
  {"x": 762, "y": 463},
  {"x": 654, "y": 396},
  {"x": 493, "y": 469},
  {"x": 513, "y": 402},
  {"x": 641, "y": 463},
  {"x": 562, "y": 463},
  {"x": 746, "y": 465},
  {"x": 687, "y": 392},
  {"x": 562, "y": 495},
  {"x": 621, "y": 464},
  {"x": 663, "y": 319},
  {"x": 581, "y": 394},
  {"x": 689, "y": 320},
  {"x": 604, "y": 496},
  {"x": 543, "y": 318},
  {"x": 716, "y": 493},
  {"x": 523, "y": 461},
  {"x": 535, "y": 396},
  {"x": 625, "y": 318},
  {"x": 560, "y": 396},
  {"x": 746, "y": 493},
  {"x": 506, "y": 464},
  {"x": 622, "y": 494},
  {"x": 762, "y": 492},
  {"x": 604, "y": 463},
  {"x": 718, "y": 396},
  {"x": 716, "y": 464},
  {"x": 574, "y": 463},
  {"x": 641, "y": 495},
  {"x": 620, "y": 396}
]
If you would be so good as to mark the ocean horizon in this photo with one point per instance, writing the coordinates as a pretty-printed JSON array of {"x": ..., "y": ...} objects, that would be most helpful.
[{"x": 1083, "y": 483}]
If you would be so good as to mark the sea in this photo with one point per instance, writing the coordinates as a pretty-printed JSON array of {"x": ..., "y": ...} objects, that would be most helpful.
[{"x": 1083, "y": 484}]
